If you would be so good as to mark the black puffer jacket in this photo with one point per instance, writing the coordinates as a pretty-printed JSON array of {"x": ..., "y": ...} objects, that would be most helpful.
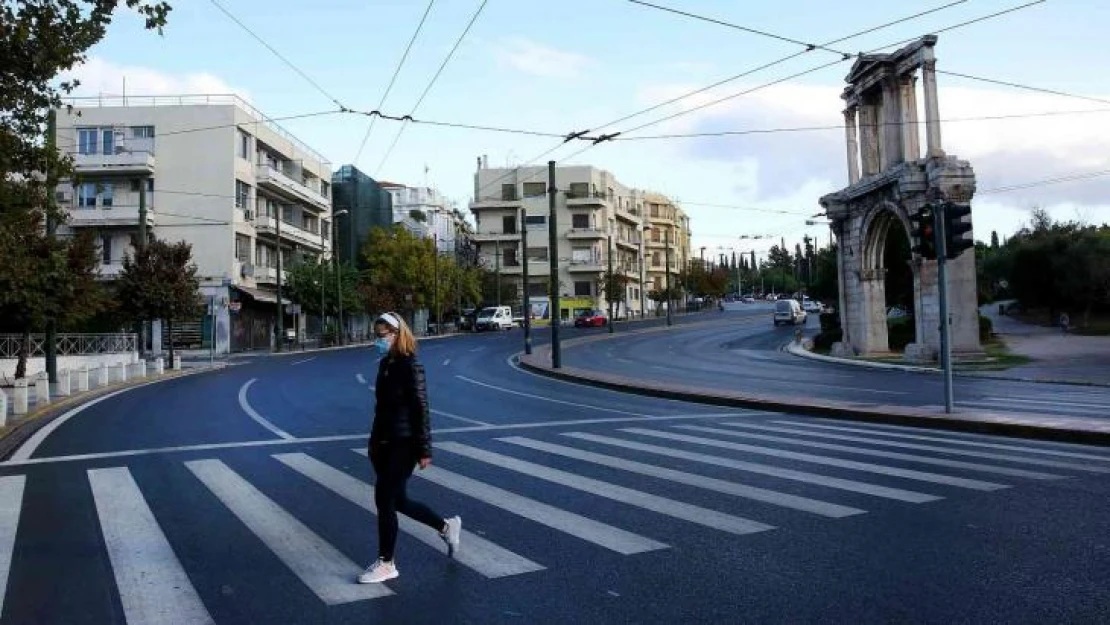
[{"x": 401, "y": 404}]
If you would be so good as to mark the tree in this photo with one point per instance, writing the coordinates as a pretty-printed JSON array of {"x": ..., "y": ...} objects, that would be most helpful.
[
  {"x": 613, "y": 286},
  {"x": 994, "y": 240},
  {"x": 306, "y": 279},
  {"x": 160, "y": 282}
]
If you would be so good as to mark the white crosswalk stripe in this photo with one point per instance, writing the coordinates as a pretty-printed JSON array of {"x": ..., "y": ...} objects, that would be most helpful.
[
  {"x": 11, "y": 503},
  {"x": 481, "y": 555},
  {"x": 687, "y": 512},
  {"x": 153, "y": 587},
  {"x": 319, "y": 565}
]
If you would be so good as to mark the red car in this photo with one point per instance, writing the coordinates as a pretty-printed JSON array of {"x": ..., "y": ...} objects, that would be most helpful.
[{"x": 591, "y": 319}]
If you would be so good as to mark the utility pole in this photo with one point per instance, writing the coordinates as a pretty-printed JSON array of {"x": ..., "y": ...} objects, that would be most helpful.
[
  {"x": 140, "y": 326},
  {"x": 526, "y": 306},
  {"x": 280, "y": 305},
  {"x": 435, "y": 283},
  {"x": 51, "y": 226},
  {"x": 497, "y": 268},
  {"x": 609, "y": 284},
  {"x": 939, "y": 222},
  {"x": 335, "y": 267},
  {"x": 323, "y": 279},
  {"x": 667, "y": 268},
  {"x": 553, "y": 258}
]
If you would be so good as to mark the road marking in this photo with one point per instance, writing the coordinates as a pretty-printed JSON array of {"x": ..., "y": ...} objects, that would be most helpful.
[
  {"x": 320, "y": 566},
  {"x": 127, "y": 453},
  {"x": 477, "y": 349},
  {"x": 479, "y": 554},
  {"x": 360, "y": 378},
  {"x": 886, "y": 492},
  {"x": 863, "y": 451},
  {"x": 921, "y": 476},
  {"x": 952, "y": 441},
  {"x": 446, "y": 362},
  {"x": 301, "y": 362},
  {"x": 944, "y": 450},
  {"x": 153, "y": 587},
  {"x": 11, "y": 503},
  {"x": 669, "y": 507},
  {"x": 549, "y": 399},
  {"x": 764, "y": 495},
  {"x": 457, "y": 417},
  {"x": 245, "y": 405},
  {"x": 28, "y": 449}
]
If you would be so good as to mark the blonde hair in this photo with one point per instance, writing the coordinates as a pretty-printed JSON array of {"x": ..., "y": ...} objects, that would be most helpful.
[{"x": 405, "y": 343}]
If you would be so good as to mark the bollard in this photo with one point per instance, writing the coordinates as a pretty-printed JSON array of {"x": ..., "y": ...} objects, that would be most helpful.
[
  {"x": 102, "y": 375},
  {"x": 3, "y": 408},
  {"x": 63, "y": 387},
  {"x": 42, "y": 391},
  {"x": 19, "y": 397},
  {"x": 176, "y": 362},
  {"x": 122, "y": 372},
  {"x": 142, "y": 368},
  {"x": 83, "y": 379},
  {"x": 159, "y": 366}
]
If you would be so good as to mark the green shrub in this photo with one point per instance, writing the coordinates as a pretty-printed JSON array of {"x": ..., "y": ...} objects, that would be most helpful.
[
  {"x": 823, "y": 342},
  {"x": 986, "y": 329},
  {"x": 900, "y": 333}
]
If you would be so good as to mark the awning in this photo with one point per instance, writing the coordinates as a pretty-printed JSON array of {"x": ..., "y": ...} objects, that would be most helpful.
[{"x": 260, "y": 295}]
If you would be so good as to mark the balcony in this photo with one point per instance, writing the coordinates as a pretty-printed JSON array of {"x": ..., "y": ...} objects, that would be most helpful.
[
  {"x": 628, "y": 215},
  {"x": 122, "y": 162},
  {"x": 585, "y": 234},
  {"x": 589, "y": 265},
  {"x": 115, "y": 216},
  {"x": 496, "y": 202},
  {"x": 267, "y": 225},
  {"x": 268, "y": 275},
  {"x": 586, "y": 199},
  {"x": 493, "y": 237},
  {"x": 273, "y": 179},
  {"x": 110, "y": 271},
  {"x": 632, "y": 244}
]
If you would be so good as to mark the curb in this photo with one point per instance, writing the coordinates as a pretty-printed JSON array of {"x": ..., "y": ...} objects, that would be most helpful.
[
  {"x": 990, "y": 423},
  {"x": 32, "y": 422}
]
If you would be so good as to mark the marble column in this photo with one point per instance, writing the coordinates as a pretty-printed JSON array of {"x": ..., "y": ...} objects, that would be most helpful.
[
  {"x": 853, "y": 144},
  {"x": 869, "y": 139},
  {"x": 911, "y": 143},
  {"x": 890, "y": 134},
  {"x": 932, "y": 109}
]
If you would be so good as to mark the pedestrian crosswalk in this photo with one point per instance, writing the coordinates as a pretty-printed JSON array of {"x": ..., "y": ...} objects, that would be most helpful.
[{"x": 624, "y": 491}]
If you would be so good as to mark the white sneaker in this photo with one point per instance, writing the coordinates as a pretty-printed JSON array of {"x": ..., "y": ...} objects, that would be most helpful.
[
  {"x": 378, "y": 572},
  {"x": 452, "y": 535}
]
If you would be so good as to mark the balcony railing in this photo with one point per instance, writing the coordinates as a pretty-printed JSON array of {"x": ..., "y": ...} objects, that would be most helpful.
[
  {"x": 124, "y": 215},
  {"x": 273, "y": 178},
  {"x": 585, "y": 233},
  {"x": 267, "y": 224},
  {"x": 68, "y": 344},
  {"x": 121, "y": 162}
]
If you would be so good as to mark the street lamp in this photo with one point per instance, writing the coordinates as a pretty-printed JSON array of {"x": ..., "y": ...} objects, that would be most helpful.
[{"x": 335, "y": 264}]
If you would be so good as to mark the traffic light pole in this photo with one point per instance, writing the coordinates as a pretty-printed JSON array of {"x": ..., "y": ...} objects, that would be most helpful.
[
  {"x": 526, "y": 306},
  {"x": 553, "y": 254},
  {"x": 939, "y": 222}
]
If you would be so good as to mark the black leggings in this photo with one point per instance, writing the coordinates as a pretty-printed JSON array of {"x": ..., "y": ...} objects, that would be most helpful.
[{"x": 393, "y": 463}]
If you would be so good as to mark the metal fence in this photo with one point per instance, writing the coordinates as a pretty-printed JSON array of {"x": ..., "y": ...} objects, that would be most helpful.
[{"x": 69, "y": 344}]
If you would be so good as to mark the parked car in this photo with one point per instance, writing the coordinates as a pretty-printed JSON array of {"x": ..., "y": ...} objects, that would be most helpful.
[
  {"x": 591, "y": 319},
  {"x": 494, "y": 318},
  {"x": 789, "y": 311},
  {"x": 468, "y": 319},
  {"x": 812, "y": 306}
]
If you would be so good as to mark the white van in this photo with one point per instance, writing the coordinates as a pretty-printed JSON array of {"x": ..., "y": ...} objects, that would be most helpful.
[
  {"x": 494, "y": 318},
  {"x": 789, "y": 311}
]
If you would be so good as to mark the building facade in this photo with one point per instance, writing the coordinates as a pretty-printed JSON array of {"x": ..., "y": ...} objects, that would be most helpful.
[
  {"x": 438, "y": 218},
  {"x": 367, "y": 206},
  {"x": 597, "y": 218},
  {"x": 216, "y": 174}
]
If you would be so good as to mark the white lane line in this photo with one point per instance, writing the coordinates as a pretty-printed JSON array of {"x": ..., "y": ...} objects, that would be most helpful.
[
  {"x": 320, "y": 566},
  {"x": 1049, "y": 402},
  {"x": 446, "y": 362},
  {"x": 549, "y": 399},
  {"x": 127, "y": 453},
  {"x": 669, "y": 507},
  {"x": 153, "y": 586},
  {"x": 479, "y": 554},
  {"x": 863, "y": 451},
  {"x": 1057, "y": 464},
  {"x": 805, "y": 504},
  {"x": 477, "y": 349},
  {"x": 950, "y": 441},
  {"x": 252, "y": 413},
  {"x": 458, "y": 418},
  {"x": 301, "y": 362},
  {"x": 361, "y": 379},
  {"x": 921, "y": 476},
  {"x": 28, "y": 449},
  {"x": 11, "y": 504},
  {"x": 853, "y": 486}
]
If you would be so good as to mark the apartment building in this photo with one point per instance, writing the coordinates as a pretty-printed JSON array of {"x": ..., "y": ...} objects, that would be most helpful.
[
  {"x": 597, "y": 218},
  {"x": 438, "y": 219},
  {"x": 359, "y": 204},
  {"x": 217, "y": 174},
  {"x": 669, "y": 228}
]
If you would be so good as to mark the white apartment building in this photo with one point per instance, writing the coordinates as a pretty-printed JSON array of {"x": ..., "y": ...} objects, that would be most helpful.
[
  {"x": 217, "y": 175},
  {"x": 441, "y": 219},
  {"x": 595, "y": 213}
]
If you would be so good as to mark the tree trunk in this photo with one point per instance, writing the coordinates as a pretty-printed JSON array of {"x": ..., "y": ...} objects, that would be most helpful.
[
  {"x": 24, "y": 353},
  {"x": 169, "y": 329}
]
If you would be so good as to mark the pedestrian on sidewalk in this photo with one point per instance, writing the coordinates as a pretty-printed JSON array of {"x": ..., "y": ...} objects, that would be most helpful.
[{"x": 400, "y": 439}]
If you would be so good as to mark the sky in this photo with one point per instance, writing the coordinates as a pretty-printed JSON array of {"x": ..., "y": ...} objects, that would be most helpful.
[{"x": 571, "y": 65}]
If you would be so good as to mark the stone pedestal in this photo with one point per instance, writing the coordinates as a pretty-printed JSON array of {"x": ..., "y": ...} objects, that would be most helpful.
[
  {"x": 19, "y": 397},
  {"x": 3, "y": 408},
  {"x": 42, "y": 391},
  {"x": 101, "y": 375},
  {"x": 159, "y": 366},
  {"x": 82, "y": 376},
  {"x": 841, "y": 349},
  {"x": 62, "y": 388},
  {"x": 921, "y": 353}
]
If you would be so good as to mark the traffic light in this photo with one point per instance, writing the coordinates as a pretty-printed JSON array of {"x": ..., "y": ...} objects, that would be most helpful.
[
  {"x": 924, "y": 232},
  {"x": 957, "y": 231}
]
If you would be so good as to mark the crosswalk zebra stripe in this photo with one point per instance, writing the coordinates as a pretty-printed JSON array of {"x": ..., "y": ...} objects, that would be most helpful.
[
  {"x": 484, "y": 557},
  {"x": 679, "y": 510},
  {"x": 153, "y": 587},
  {"x": 578, "y": 526},
  {"x": 864, "y": 488},
  {"x": 764, "y": 495},
  {"x": 11, "y": 503},
  {"x": 950, "y": 441},
  {"x": 319, "y": 565},
  {"x": 1034, "y": 475},
  {"x": 921, "y": 476}
]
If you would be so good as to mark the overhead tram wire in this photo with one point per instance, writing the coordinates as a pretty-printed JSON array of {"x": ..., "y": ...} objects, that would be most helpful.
[
  {"x": 1025, "y": 87},
  {"x": 1046, "y": 182},
  {"x": 431, "y": 83},
  {"x": 393, "y": 79}
]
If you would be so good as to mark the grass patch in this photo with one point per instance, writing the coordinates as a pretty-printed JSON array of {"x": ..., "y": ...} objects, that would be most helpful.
[{"x": 999, "y": 357}]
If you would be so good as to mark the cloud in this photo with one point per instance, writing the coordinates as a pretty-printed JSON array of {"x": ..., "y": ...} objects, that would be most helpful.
[
  {"x": 537, "y": 59},
  {"x": 99, "y": 76}
]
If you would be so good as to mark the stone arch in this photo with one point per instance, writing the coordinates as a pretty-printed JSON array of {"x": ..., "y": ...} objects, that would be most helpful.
[{"x": 874, "y": 232}]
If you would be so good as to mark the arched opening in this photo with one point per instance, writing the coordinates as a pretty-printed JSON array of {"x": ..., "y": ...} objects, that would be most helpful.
[{"x": 888, "y": 283}]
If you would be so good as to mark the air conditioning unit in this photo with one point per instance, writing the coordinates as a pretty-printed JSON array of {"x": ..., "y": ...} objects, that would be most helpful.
[{"x": 246, "y": 271}]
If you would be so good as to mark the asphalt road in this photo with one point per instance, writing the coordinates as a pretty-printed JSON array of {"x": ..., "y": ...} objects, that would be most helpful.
[
  {"x": 243, "y": 497},
  {"x": 740, "y": 351}
]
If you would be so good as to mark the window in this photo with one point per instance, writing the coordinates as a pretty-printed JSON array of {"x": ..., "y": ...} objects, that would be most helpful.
[
  {"x": 508, "y": 225},
  {"x": 242, "y": 194},
  {"x": 655, "y": 259},
  {"x": 536, "y": 254},
  {"x": 142, "y": 132},
  {"x": 509, "y": 257},
  {"x": 87, "y": 140},
  {"x": 287, "y": 215},
  {"x": 581, "y": 254},
  {"x": 106, "y": 249},
  {"x": 535, "y": 189},
  {"x": 325, "y": 229},
  {"x": 109, "y": 141},
  {"x": 580, "y": 221},
  {"x": 583, "y": 289},
  {"x": 149, "y": 188},
  {"x": 244, "y": 145},
  {"x": 86, "y": 195},
  {"x": 107, "y": 194},
  {"x": 243, "y": 248},
  {"x": 508, "y": 192},
  {"x": 537, "y": 289},
  {"x": 535, "y": 220},
  {"x": 579, "y": 190}
]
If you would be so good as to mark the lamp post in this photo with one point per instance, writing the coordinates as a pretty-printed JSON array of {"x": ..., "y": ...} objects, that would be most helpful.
[
  {"x": 335, "y": 265},
  {"x": 643, "y": 261}
]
